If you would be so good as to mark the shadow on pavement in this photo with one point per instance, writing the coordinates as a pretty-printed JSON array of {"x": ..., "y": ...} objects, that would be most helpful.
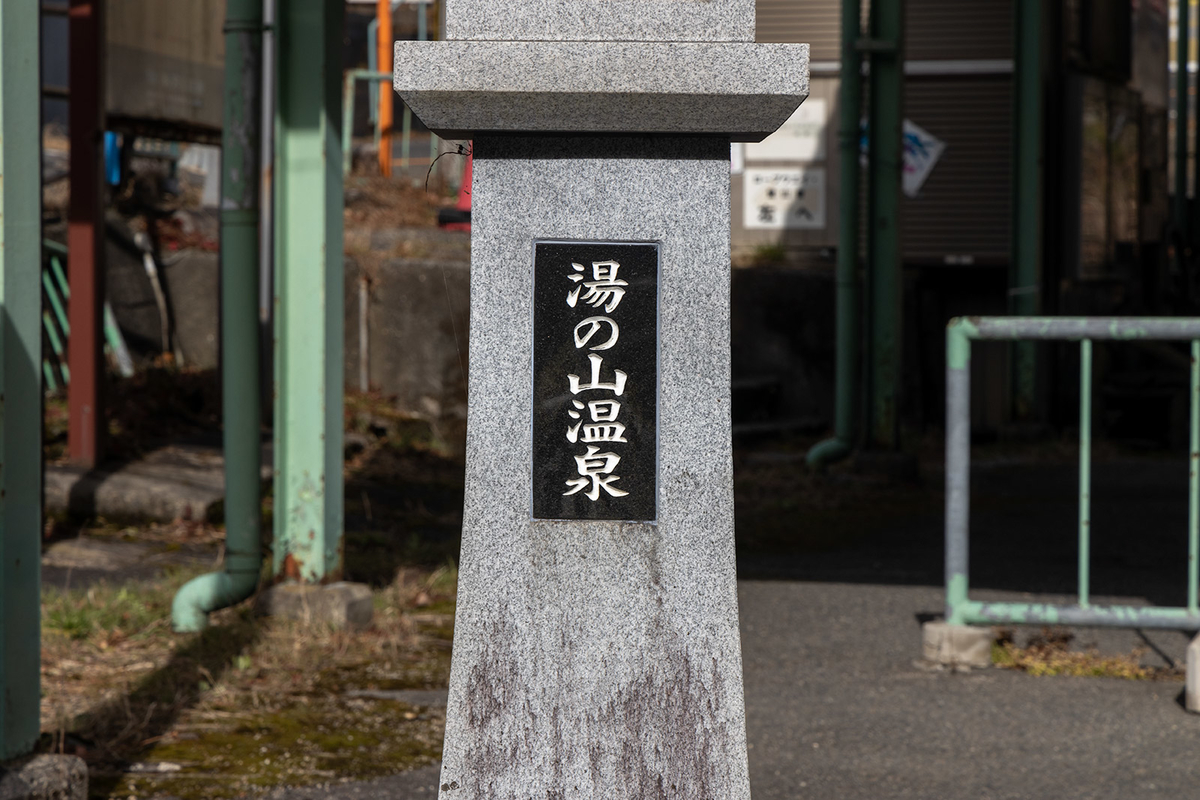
[{"x": 850, "y": 528}]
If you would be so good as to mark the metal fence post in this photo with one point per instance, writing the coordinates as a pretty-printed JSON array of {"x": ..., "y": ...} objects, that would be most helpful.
[
  {"x": 1085, "y": 468},
  {"x": 1194, "y": 481},
  {"x": 958, "y": 466},
  {"x": 20, "y": 383},
  {"x": 308, "y": 294},
  {"x": 85, "y": 234}
]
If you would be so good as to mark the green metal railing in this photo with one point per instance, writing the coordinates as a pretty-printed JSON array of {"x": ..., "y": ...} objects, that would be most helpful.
[
  {"x": 960, "y": 609},
  {"x": 351, "y": 77},
  {"x": 54, "y": 319},
  {"x": 57, "y": 293}
]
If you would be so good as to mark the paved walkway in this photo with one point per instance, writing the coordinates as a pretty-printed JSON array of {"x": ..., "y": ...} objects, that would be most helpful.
[{"x": 838, "y": 705}]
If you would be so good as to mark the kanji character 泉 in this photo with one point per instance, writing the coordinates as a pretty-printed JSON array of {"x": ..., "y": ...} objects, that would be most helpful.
[
  {"x": 592, "y": 465},
  {"x": 605, "y": 290},
  {"x": 617, "y": 387}
]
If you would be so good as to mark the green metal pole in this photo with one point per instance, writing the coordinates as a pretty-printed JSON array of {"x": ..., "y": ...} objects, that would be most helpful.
[
  {"x": 241, "y": 143},
  {"x": 348, "y": 123},
  {"x": 1194, "y": 485},
  {"x": 349, "y": 79},
  {"x": 1085, "y": 470},
  {"x": 405, "y": 136},
  {"x": 1025, "y": 270},
  {"x": 885, "y": 168},
  {"x": 20, "y": 379},
  {"x": 1181, "y": 124},
  {"x": 308, "y": 294},
  {"x": 846, "y": 398}
]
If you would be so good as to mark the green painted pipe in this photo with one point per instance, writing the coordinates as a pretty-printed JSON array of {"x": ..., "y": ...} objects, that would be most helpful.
[
  {"x": 1025, "y": 273},
  {"x": 885, "y": 162},
  {"x": 1182, "y": 48},
  {"x": 848, "y": 321},
  {"x": 240, "y": 140}
]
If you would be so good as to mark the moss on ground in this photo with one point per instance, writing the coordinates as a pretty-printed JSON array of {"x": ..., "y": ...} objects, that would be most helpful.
[
  {"x": 314, "y": 739},
  {"x": 248, "y": 704}
]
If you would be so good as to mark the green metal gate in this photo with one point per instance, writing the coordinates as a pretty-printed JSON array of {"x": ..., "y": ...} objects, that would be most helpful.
[{"x": 960, "y": 332}]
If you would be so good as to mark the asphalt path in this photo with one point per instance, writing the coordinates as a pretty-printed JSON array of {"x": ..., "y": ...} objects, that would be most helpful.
[{"x": 839, "y": 705}]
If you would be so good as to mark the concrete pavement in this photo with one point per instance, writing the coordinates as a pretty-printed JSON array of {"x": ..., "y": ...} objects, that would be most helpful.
[{"x": 839, "y": 706}]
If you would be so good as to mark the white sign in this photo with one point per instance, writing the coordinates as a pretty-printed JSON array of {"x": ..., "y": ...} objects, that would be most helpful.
[
  {"x": 801, "y": 138},
  {"x": 921, "y": 153},
  {"x": 789, "y": 198}
]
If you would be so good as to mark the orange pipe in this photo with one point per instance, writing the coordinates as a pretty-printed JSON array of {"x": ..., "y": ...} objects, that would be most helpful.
[{"x": 383, "y": 15}]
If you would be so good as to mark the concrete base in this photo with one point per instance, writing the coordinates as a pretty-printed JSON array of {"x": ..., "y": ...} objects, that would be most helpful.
[
  {"x": 957, "y": 645},
  {"x": 1191, "y": 690},
  {"x": 44, "y": 777},
  {"x": 341, "y": 605}
]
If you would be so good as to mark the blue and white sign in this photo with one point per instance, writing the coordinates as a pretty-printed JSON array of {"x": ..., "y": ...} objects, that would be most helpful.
[{"x": 921, "y": 153}]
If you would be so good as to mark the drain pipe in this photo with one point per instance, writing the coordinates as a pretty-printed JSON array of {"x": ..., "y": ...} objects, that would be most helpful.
[
  {"x": 846, "y": 398},
  {"x": 240, "y": 354}
]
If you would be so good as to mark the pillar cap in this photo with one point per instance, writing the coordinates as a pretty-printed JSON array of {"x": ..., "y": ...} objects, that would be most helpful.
[{"x": 742, "y": 90}]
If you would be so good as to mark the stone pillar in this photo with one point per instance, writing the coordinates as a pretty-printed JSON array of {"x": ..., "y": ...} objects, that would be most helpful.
[{"x": 596, "y": 650}]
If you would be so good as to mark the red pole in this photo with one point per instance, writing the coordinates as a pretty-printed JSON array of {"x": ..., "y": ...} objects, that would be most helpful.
[{"x": 85, "y": 233}]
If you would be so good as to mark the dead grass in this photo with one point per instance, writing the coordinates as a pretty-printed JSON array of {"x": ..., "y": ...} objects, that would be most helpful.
[
  {"x": 248, "y": 704},
  {"x": 157, "y": 405},
  {"x": 374, "y": 202},
  {"x": 1049, "y": 653}
]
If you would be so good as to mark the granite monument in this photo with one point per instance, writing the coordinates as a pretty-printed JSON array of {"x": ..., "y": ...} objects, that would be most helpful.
[{"x": 596, "y": 650}]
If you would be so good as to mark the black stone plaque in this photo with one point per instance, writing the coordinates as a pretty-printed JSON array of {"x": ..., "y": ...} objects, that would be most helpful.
[{"x": 595, "y": 380}]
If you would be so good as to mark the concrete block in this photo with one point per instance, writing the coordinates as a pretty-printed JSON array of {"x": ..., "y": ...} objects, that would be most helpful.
[
  {"x": 342, "y": 605},
  {"x": 1191, "y": 689},
  {"x": 173, "y": 482},
  {"x": 125, "y": 492},
  {"x": 44, "y": 777},
  {"x": 192, "y": 284},
  {"x": 417, "y": 322},
  {"x": 957, "y": 645}
]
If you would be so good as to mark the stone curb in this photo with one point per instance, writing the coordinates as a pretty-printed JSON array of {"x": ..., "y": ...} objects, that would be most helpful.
[{"x": 44, "y": 777}]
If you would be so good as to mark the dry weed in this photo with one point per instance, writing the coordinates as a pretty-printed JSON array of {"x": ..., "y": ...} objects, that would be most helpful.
[{"x": 1049, "y": 653}]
